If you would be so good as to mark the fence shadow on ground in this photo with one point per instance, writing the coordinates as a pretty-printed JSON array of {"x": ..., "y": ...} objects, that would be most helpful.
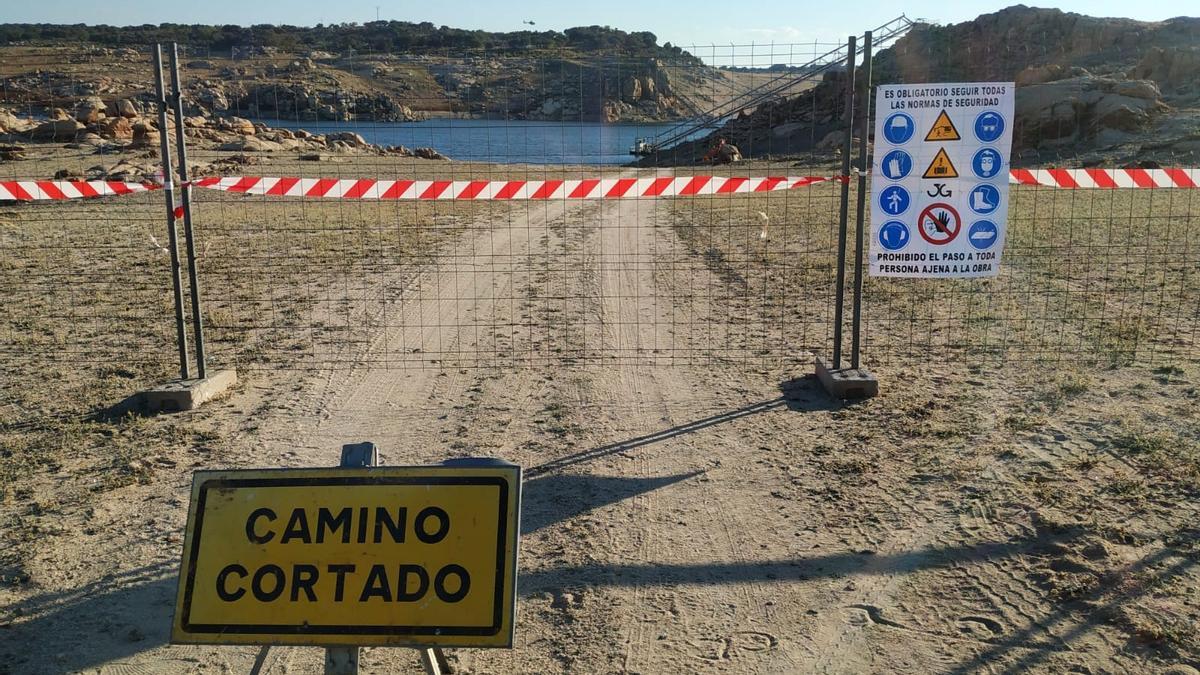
[
  {"x": 130, "y": 613},
  {"x": 802, "y": 394},
  {"x": 104, "y": 621},
  {"x": 1016, "y": 649},
  {"x": 551, "y": 499}
]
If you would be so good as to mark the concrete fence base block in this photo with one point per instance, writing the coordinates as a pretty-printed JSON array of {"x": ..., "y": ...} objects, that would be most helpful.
[
  {"x": 847, "y": 383},
  {"x": 179, "y": 395}
]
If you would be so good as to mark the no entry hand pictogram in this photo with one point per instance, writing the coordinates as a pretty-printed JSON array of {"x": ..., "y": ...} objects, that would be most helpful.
[{"x": 939, "y": 223}]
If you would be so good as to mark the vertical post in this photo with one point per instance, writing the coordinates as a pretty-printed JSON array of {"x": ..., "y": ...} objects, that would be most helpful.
[
  {"x": 847, "y": 148},
  {"x": 186, "y": 195},
  {"x": 344, "y": 660},
  {"x": 864, "y": 133},
  {"x": 169, "y": 195}
]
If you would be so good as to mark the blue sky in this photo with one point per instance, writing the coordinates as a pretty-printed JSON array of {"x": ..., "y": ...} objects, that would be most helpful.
[{"x": 699, "y": 22}]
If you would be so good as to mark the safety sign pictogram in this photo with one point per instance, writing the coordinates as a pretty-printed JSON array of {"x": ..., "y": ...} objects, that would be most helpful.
[
  {"x": 987, "y": 163},
  {"x": 893, "y": 235},
  {"x": 939, "y": 223},
  {"x": 984, "y": 199},
  {"x": 983, "y": 234},
  {"x": 989, "y": 126},
  {"x": 897, "y": 164},
  {"x": 943, "y": 129},
  {"x": 941, "y": 166},
  {"x": 894, "y": 200},
  {"x": 898, "y": 129}
]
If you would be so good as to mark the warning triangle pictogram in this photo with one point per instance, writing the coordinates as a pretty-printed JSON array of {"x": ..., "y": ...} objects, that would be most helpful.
[
  {"x": 941, "y": 166},
  {"x": 943, "y": 129}
]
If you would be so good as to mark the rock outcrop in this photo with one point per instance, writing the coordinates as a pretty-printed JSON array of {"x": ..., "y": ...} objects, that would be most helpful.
[
  {"x": 1082, "y": 109},
  {"x": 1175, "y": 69},
  {"x": 114, "y": 134},
  {"x": 57, "y": 130}
]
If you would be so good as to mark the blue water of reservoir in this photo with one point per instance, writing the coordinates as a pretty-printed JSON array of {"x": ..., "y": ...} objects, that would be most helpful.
[{"x": 502, "y": 141}]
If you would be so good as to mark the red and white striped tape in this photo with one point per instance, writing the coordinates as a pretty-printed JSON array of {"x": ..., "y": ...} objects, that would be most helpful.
[
  {"x": 589, "y": 188},
  {"x": 29, "y": 190},
  {"x": 1107, "y": 178}
]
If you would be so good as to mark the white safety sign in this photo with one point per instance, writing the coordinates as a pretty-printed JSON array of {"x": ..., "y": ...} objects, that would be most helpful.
[{"x": 939, "y": 201}]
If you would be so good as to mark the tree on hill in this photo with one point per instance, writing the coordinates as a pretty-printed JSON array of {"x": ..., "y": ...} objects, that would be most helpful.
[{"x": 374, "y": 36}]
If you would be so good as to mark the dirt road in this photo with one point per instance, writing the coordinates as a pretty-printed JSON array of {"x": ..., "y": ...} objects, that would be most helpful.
[{"x": 680, "y": 518}]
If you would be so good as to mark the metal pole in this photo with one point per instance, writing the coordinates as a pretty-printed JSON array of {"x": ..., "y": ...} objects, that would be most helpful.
[
  {"x": 864, "y": 132},
  {"x": 186, "y": 195},
  {"x": 344, "y": 660},
  {"x": 847, "y": 148},
  {"x": 169, "y": 194}
]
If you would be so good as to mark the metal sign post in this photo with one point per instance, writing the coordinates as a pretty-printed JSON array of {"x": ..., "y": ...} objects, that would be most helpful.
[
  {"x": 852, "y": 382},
  {"x": 847, "y": 149},
  {"x": 344, "y": 660},
  {"x": 864, "y": 134},
  {"x": 169, "y": 196},
  {"x": 186, "y": 194},
  {"x": 185, "y": 393}
]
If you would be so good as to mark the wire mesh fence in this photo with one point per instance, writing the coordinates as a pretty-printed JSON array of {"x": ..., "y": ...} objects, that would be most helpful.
[
  {"x": 84, "y": 292},
  {"x": 1104, "y": 276},
  {"x": 464, "y": 280},
  {"x": 469, "y": 282}
]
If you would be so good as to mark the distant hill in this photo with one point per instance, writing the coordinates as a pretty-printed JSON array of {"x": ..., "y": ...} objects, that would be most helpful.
[
  {"x": 375, "y": 36},
  {"x": 382, "y": 71}
]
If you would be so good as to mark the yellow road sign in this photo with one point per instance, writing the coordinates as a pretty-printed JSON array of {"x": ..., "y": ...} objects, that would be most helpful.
[
  {"x": 943, "y": 129},
  {"x": 941, "y": 166},
  {"x": 400, "y": 556}
]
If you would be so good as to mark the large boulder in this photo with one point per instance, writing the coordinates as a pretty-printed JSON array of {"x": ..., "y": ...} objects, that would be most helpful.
[
  {"x": 303, "y": 65},
  {"x": 346, "y": 137},
  {"x": 662, "y": 80},
  {"x": 1040, "y": 74},
  {"x": 250, "y": 144},
  {"x": 57, "y": 130},
  {"x": 236, "y": 125},
  {"x": 1176, "y": 68},
  {"x": 648, "y": 88},
  {"x": 11, "y": 124},
  {"x": 89, "y": 110},
  {"x": 728, "y": 154},
  {"x": 429, "y": 153},
  {"x": 213, "y": 98},
  {"x": 144, "y": 135},
  {"x": 124, "y": 170},
  {"x": 122, "y": 107},
  {"x": 114, "y": 128},
  {"x": 1077, "y": 109}
]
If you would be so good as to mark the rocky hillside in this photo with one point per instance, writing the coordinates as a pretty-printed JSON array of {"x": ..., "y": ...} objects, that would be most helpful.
[
  {"x": 411, "y": 71},
  {"x": 117, "y": 128},
  {"x": 316, "y": 85},
  {"x": 1091, "y": 90}
]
